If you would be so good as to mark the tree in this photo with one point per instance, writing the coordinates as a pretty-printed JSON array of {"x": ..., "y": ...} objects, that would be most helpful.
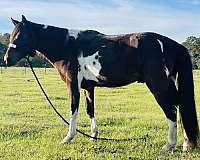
[
  {"x": 2, "y": 50},
  {"x": 4, "y": 39},
  {"x": 193, "y": 45}
]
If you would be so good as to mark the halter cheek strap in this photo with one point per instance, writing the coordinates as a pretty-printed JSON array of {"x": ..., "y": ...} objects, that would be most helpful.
[
  {"x": 11, "y": 45},
  {"x": 32, "y": 53}
]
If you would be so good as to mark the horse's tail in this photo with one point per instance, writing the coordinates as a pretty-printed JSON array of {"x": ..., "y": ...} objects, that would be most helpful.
[{"x": 186, "y": 96}]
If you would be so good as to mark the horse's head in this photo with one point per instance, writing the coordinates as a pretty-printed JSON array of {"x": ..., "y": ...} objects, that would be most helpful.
[{"x": 22, "y": 42}]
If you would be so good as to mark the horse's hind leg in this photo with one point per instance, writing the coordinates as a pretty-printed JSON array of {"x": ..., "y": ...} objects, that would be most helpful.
[
  {"x": 167, "y": 99},
  {"x": 89, "y": 101}
]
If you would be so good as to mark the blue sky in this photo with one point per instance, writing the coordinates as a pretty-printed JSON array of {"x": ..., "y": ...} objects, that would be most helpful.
[{"x": 177, "y": 19}]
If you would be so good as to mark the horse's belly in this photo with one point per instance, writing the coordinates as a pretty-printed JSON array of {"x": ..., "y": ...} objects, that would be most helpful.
[{"x": 102, "y": 71}]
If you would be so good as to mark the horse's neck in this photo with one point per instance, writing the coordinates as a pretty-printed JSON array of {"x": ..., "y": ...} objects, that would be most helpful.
[{"x": 50, "y": 41}]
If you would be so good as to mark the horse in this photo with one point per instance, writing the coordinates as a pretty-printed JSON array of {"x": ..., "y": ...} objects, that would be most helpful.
[{"x": 87, "y": 59}]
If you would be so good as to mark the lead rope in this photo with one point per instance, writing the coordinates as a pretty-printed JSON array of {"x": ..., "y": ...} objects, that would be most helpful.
[{"x": 81, "y": 132}]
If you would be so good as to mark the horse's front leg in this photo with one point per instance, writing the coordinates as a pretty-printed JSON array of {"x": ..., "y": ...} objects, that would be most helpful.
[
  {"x": 74, "y": 104},
  {"x": 89, "y": 101}
]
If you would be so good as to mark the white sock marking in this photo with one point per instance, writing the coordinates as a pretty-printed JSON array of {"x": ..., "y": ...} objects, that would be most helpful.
[
  {"x": 72, "y": 125},
  {"x": 94, "y": 129},
  {"x": 72, "y": 128},
  {"x": 93, "y": 125},
  {"x": 172, "y": 134},
  {"x": 161, "y": 44}
]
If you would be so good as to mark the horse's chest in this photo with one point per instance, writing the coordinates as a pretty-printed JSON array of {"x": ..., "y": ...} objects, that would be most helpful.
[{"x": 89, "y": 68}]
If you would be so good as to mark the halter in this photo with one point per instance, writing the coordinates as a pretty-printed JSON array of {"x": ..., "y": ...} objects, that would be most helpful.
[{"x": 32, "y": 51}]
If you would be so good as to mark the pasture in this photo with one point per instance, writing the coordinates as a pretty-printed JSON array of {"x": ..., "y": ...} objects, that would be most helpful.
[{"x": 29, "y": 129}]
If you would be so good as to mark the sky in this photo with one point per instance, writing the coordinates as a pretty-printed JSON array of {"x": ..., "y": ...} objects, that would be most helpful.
[{"x": 176, "y": 19}]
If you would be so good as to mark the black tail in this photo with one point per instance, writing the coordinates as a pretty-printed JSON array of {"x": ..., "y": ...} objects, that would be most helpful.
[{"x": 186, "y": 96}]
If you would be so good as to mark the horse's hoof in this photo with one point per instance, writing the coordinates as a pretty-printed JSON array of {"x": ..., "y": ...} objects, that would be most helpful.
[
  {"x": 168, "y": 147},
  {"x": 95, "y": 135},
  {"x": 188, "y": 146},
  {"x": 67, "y": 139}
]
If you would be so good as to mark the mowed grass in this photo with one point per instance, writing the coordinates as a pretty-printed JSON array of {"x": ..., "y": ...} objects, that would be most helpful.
[{"x": 30, "y": 130}]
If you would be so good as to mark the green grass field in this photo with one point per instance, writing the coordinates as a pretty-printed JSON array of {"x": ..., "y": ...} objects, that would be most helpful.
[{"x": 29, "y": 129}]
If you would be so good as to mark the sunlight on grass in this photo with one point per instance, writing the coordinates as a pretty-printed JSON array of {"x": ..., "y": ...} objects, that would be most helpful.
[{"x": 29, "y": 129}]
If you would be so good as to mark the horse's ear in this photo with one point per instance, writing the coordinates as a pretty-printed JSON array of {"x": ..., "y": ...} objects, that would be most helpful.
[
  {"x": 15, "y": 22},
  {"x": 23, "y": 18}
]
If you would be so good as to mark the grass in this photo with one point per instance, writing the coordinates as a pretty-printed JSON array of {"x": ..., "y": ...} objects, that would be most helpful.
[{"x": 29, "y": 129}]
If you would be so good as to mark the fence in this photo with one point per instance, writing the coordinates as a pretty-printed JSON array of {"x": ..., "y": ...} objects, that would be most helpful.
[{"x": 25, "y": 70}]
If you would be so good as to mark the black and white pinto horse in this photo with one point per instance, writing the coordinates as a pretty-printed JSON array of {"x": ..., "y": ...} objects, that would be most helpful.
[{"x": 89, "y": 58}]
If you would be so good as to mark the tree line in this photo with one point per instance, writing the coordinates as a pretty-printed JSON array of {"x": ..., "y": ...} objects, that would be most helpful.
[{"x": 192, "y": 43}]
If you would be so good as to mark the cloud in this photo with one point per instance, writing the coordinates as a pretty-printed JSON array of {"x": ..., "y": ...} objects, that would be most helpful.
[{"x": 110, "y": 17}]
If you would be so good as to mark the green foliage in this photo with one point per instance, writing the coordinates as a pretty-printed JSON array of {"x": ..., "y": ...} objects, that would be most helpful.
[
  {"x": 2, "y": 49},
  {"x": 193, "y": 45},
  {"x": 4, "y": 39},
  {"x": 29, "y": 129}
]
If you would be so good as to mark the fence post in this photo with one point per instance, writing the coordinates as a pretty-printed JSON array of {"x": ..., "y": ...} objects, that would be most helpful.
[
  {"x": 45, "y": 69},
  {"x": 25, "y": 68},
  {"x": 1, "y": 68}
]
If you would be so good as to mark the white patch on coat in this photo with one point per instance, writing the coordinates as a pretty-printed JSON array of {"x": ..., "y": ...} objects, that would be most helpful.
[
  {"x": 74, "y": 33},
  {"x": 166, "y": 71},
  {"x": 45, "y": 26},
  {"x": 11, "y": 45},
  {"x": 161, "y": 44},
  {"x": 72, "y": 128},
  {"x": 89, "y": 68}
]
